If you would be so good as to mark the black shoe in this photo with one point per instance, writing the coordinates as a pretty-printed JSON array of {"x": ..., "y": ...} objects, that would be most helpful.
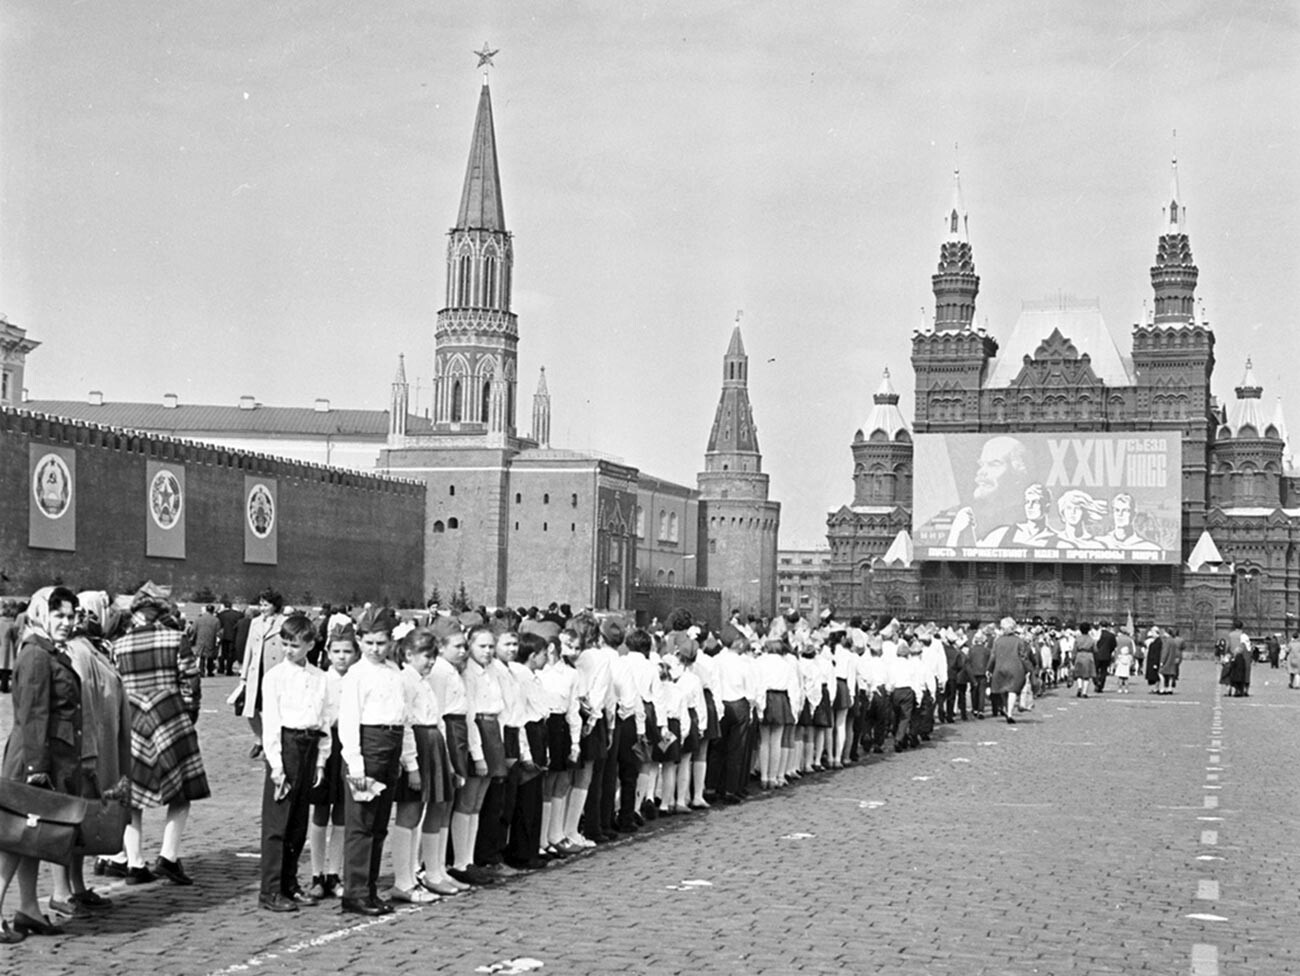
[
  {"x": 110, "y": 869},
  {"x": 381, "y": 905},
  {"x": 277, "y": 903},
  {"x": 26, "y": 925},
  {"x": 302, "y": 898},
  {"x": 256, "y": 751},
  {"x": 359, "y": 906},
  {"x": 333, "y": 884},
  {"x": 172, "y": 871},
  {"x": 1010, "y": 720},
  {"x": 91, "y": 899},
  {"x": 139, "y": 876}
]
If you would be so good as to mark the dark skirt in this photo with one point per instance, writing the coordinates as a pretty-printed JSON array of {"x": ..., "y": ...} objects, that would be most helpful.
[
  {"x": 778, "y": 710},
  {"x": 535, "y": 733},
  {"x": 1085, "y": 665},
  {"x": 673, "y": 753},
  {"x": 712, "y": 727},
  {"x": 494, "y": 747},
  {"x": 436, "y": 782},
  {"x": 558, "y": 742},
  {"x": 805, "y": 715},
  {"x": 595, "y": 744},
  {"x": 458, "y": 745},
  {"x": 330, "y": 790},
  {"x": 510, "y": 737},
  {"x": 821, "y": 716},
  {"x": 693, "y": 740},
  {"x": 842, "y": 697},
  {"x": 651, "y": 722}
]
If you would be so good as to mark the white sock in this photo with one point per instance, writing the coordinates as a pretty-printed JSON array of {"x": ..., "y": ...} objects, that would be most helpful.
[
  {"x": 316, "y": 838},
  {"x": 401, "y": 844}
]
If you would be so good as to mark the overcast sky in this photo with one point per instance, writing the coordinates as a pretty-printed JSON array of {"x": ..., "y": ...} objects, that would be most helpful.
[{"x": 223, "y": 198}]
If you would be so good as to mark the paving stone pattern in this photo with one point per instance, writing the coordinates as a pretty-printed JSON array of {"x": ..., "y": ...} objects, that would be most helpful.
[{"x": 1067, "y": 844}]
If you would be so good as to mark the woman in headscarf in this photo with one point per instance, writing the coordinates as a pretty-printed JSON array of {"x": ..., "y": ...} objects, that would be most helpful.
[
  {"x": 166, "y": 767},
  {"x": 43, "y": 748},
  {"x": 106, "y": 738},
  {"x": 1007, "y": 667}
]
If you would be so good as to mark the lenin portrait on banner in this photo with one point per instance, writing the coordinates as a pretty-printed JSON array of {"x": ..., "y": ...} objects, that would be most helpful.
[{"x": 996, "y": 498}]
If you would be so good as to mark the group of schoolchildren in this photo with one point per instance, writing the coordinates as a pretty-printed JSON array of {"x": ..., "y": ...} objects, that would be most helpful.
[{"x": 478, "y": 752}]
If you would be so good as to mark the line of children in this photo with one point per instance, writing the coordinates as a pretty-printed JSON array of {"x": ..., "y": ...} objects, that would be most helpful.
[{"x": 524, "y": 722}]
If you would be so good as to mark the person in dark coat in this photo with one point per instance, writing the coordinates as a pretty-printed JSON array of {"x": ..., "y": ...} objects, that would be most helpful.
[
  {"x": 230, "y": 619},
  {"x": 1007, "y": 666},
  {"x": 1171, "y": 659},
  {"x": 977, "y": 666},
  {"x": 1155, "y": 647},
  {"x": 44, "y": 747},
  {"x": 1102, "y": 654}
]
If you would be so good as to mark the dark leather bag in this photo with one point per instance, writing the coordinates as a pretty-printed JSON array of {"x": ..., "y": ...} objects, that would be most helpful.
[
  {"x": 101, "y": 831},
  {"x": 38, "y": 822}
]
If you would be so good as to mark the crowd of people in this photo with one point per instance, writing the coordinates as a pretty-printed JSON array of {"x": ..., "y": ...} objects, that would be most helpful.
[{"x": 478, "y": 745}]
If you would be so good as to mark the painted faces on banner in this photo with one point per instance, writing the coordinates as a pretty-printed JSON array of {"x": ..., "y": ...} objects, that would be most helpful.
[{"x": 1038, "y": 497}]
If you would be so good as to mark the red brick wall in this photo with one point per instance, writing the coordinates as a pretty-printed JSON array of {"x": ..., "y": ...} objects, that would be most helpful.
[{"x": 343, "y": 536}]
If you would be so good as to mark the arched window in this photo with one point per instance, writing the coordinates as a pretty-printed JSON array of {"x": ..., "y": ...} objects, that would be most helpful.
[
  {"x": 546, "y": 498},
  {"x": 451, "y": 490},
  {"x": 510, "y": 404},
  {"x": 640, "y": 522},
  {"x": 486, "y": 401},
  {"x": 453, "y": 523},
  {"x": 457, "y": 405},
  {"x": 663, "y": 524},
  {"x": 672, "y": 526},
  {"x": 672, "y": 577},
  {"x": 464, "y": 277},
  {"x": 659, "y": 576},
  {"x": 438, "y": 528},
  {"x": 518, "y": 498},
  {"x": 489, "y": 281}
]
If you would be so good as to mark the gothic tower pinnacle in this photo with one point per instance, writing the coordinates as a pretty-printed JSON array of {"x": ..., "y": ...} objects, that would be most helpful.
[
  {"x": 955, "y": 283},
  {"x": 733, "y": 440},
  {"x": 542, "y": 412},
  {"x": 400, "y": 402},
  {"x": 1173, "y": 277},
  {"x": 476, "y": 337}
]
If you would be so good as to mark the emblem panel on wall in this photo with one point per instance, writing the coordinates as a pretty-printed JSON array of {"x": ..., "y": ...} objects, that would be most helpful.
[
  {"x": 52, "y": 504},
  {"x": 261, "y": 521}
]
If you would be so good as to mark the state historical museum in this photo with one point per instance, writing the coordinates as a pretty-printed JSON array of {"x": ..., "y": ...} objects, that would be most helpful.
[{"x": 1040, "y": 477}]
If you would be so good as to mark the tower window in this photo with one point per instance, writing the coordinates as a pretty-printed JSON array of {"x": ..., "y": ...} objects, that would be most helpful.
[
  {"x": 486, "y": 400},
  {"x": 451, "y": 490},
  {"x": 464, "y": 277},
  {"x": 518, "y": 498},
  {"x": 574, "y": 499},
  {"x": 489, "y": 281},
  {"x": 438, "y": 528},
  {"x": 546, "y": 498},
  {"x": 457, "y": 407},
  {"x": 453, "y": 523}
]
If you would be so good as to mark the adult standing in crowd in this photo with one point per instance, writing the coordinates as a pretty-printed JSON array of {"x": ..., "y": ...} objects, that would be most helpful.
[
  {"x": 44, "y": 747},
  {"x": 9, "y": 637},
  {"x": 1293, "y": 661},
  {"x": 1103, "y": 654},
  {"x": 229, "y": 619},
  {"x": 978, "y": 661},
  {"x": 1155, "y": 647},
  {"x": 166, "y": 766},
  {"x": 1085, "y": 661},
  {"x": 1171, "y": 660},
  {"x": 207, "y": 633},
  {"x": 1006, "y": 667},
  {"x": 262, "y": 652}
]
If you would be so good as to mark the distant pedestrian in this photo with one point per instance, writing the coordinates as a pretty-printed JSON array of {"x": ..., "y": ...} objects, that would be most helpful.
[
  {"x": 1123, "y": 662},
  {"x": 1085, "y": 663},
  {"x": 1293, "y": 661},
  {"x": 1171, "y": 659},
  {"x": 1007, "y": 668},
  {"x": 207, "y": 634}
]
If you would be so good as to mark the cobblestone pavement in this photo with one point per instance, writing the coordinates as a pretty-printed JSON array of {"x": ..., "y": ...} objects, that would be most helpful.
[{"x": 1119, "y": 834}]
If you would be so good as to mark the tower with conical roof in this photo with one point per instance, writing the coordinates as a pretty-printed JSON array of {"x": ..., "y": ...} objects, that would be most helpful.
[
  {"x": 475, "y": 367},
  {"x": 951, "y": 359},
  {"x": 1173, "y": 354},
  {"x": 882, "y": 457},
  {"x": 1249, "y": 450},
  {"x": 399, "y": 404},
  {"x": 542, "y": 412},
  {"x": 1174, "y": 275},
  {"x": 737, "y": 520}
]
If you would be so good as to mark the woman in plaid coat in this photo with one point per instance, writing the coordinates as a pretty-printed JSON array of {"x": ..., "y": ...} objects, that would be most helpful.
[{"x": 156, "y": 663}]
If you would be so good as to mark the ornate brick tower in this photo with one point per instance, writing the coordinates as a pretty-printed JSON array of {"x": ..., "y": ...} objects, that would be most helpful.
[
  {"x": 951, "y": 360},
  {"x": 475, "y": 360},
  {"x": 737, "y": 520},
  {"x": 1173, "y": 357}
]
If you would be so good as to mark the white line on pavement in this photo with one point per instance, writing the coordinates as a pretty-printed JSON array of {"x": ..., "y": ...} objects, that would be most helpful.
[
  {"x": 1205, "y": 960},
  {"x": 1209, "y": 837},
  {"x": 1211, "y": 802},
  {"x": 1207, "y": 890}
]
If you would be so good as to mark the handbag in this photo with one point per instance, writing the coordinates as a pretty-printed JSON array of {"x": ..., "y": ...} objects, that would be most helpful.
[
  {"x": 38, "y": 822},
  {"x": 101, "y": 830}
]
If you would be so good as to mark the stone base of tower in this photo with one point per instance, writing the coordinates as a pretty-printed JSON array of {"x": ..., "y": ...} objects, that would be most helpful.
[{"x": 738, "y": 553}]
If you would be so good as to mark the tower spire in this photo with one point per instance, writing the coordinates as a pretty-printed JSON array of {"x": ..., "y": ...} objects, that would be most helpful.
[
  {"x": 399, "y": 404},
  {"x": 733, "y": 430},
  {"x": 480, "y": 201},
  {"x": 955, "y": 283},
  {"x": 542, "y": 412},
  {"x": 1173, "y": 276}
]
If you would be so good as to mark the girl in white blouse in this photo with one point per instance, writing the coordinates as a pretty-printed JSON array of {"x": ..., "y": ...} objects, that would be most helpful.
[{"x": 560, "y": 688}]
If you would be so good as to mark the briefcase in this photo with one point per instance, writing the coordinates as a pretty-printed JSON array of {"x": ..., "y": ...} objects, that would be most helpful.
[{"x": 38, "y": 822}]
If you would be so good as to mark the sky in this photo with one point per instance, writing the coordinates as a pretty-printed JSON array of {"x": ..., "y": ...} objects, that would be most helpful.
[{"x": 215, "y": 199}]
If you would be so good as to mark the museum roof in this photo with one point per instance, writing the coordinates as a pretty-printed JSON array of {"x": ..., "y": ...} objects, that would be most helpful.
[{"x": 1080, "y": 322}]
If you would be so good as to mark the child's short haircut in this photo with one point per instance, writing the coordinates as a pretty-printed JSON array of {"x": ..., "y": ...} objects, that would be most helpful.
[
  {"x": 640, "y": 642},
  {"x": 420, "y": 641},
  {"x": 344, "y": 635},
  {"x": 296, "y": 627},
  {"x": 529, "y": 644},
  {"x": 611, "y": 632}
]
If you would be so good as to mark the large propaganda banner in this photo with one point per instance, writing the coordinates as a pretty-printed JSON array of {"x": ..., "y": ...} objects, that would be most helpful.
[{"x": 1111, "y": 498}]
